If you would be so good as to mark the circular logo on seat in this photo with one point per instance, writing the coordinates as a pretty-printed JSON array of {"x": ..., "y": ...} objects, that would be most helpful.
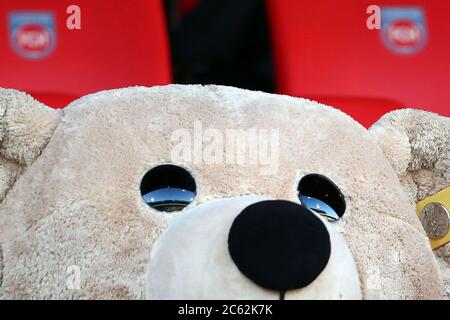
[
  {"x": 403, "y": 30},
  {"x": 32, "y": 35}
]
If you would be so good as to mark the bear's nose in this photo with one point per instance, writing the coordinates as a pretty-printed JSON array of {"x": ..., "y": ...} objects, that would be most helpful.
[{"x": 279, "y": 244}]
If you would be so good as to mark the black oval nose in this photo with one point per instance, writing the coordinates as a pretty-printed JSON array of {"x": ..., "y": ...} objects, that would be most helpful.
[{"x": 279, "y": 244}]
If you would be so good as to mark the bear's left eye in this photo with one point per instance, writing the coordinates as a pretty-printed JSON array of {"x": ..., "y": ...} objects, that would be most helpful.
[
  {"x": 168, "y": 188},
  {"x": 318, "y": 193}
]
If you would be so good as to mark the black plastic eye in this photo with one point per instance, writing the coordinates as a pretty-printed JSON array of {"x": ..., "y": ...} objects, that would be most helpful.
[
  {"x": 318, "y": 193},
  {"x": 168, "y": 188}
]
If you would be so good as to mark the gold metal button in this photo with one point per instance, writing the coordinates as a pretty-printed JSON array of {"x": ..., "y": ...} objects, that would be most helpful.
[{"x": 435, "y": 220}]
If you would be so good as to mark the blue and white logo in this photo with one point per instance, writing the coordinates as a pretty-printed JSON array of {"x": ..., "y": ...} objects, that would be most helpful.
[
  {"x": 32, "y": 35},
  {"x": 403, "y": 29}
]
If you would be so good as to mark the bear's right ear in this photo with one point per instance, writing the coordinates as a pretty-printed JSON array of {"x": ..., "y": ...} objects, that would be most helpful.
[
  {"x": 417, "y": 145},
  {"x": 26, "y": 127}
]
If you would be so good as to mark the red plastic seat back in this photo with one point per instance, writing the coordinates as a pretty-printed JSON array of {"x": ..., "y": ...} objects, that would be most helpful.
[
  {"x": 120, "y": 44},
  {"x": 324, "y": 50}
]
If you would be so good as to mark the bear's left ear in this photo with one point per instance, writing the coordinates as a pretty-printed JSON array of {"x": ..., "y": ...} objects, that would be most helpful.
[
  {"x": 26, "y": 126},
  {"x": 417, "y": 144}
]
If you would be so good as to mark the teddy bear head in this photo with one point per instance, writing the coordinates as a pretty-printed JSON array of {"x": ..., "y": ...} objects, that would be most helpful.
[{"x": 214, "y": 192}]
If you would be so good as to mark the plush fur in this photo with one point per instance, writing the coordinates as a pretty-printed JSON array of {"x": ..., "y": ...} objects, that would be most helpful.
[
  {"x": 417, "y": 144},
  {"x": 77, "y": 201},
  {"x": 26, "y": 126}
]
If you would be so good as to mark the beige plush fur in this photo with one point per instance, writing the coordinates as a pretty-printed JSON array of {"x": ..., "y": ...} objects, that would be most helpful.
[
  {"x": 79, "y": 204},
  {"x": 25, "y": 128},
  {"x": 417, "y": 144},
  {"x": 443, "y": 256}
]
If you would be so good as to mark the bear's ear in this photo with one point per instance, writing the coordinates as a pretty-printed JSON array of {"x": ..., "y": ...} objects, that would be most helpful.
[
  {"x": 417, "y": 144},
  {"x": 26, "y": 126}
]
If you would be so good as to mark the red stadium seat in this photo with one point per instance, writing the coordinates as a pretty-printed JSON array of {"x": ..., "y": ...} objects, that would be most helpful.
[
  {"x": 120, "y": 44},
  {"x": 323, "y": 50}
]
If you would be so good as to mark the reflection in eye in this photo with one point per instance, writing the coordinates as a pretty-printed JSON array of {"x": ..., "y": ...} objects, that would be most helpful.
[
  {"x": 169, "y": 199},
  {"x": 318, "y": 193},
  {"x": 320, "y": 207},
  {"x": 168, "y": 188}
]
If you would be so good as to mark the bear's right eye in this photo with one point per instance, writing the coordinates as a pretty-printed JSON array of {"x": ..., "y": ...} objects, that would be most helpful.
[
  {"x": 319, "y": 194},
  {"x": 168, "y": 188}
]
